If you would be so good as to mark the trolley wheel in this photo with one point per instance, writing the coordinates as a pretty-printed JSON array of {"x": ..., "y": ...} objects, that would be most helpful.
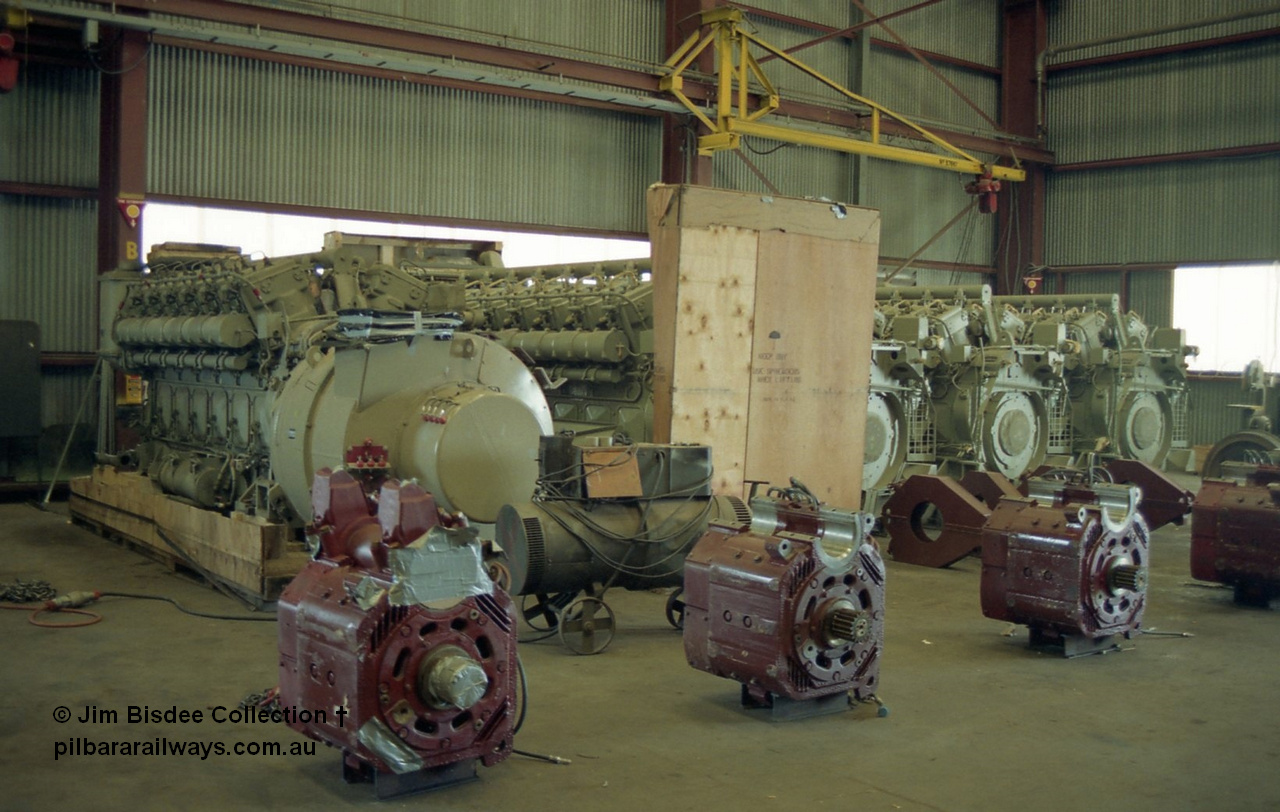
[
  {"x": 499, "y": 574},
  {"x": 542, "y": 613},
  {"x": 586, "y": 626},
  {"x": 675, "y": 608}
]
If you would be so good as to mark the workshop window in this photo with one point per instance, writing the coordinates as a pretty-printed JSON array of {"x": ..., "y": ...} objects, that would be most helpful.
[{"x": 1231, "y": 312}]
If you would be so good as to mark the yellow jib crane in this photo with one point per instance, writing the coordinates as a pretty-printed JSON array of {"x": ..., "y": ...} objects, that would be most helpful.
[{"x": 736, "y": 116}]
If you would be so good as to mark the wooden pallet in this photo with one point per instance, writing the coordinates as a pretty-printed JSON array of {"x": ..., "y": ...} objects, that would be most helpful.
[{"x": 252, "y": 556}]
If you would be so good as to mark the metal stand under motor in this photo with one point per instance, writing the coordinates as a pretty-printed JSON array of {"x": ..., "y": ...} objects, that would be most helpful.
[{"x": 393, "y": 785}]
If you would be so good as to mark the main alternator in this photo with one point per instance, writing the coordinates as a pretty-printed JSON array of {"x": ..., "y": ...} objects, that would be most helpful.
[
  {"x": 396, "y": 631},
  {"x": 790, "y": 605}
]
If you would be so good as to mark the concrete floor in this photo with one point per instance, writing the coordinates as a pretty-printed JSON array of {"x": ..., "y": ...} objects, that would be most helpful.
[{"x": 978, "y": 721}]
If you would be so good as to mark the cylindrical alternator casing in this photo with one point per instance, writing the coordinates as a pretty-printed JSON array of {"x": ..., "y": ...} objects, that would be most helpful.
[
  {"x": 461, "y": 416},
  {"x": 552, "y": 549},
  {"x": 1071, "y": 570},
  {"x": 787, "y": 611}
]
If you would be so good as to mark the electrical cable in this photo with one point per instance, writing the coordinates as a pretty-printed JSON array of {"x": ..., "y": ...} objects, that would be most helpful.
[
  {"x": 45, "y": 597},
  {"x": 113, "y": 72},
  {"x": 746, "y": 142},
  {"x": 36, "y": 611},
  {"x": 270, "y": 618},
  {"x": 524, "y": 696},
  {"x": 42, "y": 593},
  {"x": 520, "y": 717}
]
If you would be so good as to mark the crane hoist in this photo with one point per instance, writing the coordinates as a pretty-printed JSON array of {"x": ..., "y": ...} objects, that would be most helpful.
[{"x": 741, "y": 108}]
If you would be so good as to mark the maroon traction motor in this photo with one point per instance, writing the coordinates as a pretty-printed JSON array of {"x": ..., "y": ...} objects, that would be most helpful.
[
  {"x": 790, "y": 605},
  {"x": 397, "y": 641}
]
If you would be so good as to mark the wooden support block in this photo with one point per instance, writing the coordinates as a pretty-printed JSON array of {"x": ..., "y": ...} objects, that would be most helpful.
[
  {"x": 763, "y": 310},
  {"x": 245, "y": 552}
]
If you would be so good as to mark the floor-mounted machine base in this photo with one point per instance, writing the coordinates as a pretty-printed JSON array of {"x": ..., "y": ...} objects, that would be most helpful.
[
  {"x": 393, "y": 785},
  {"x": 1074, "y": 645},
  {"x": 782, "y": 709}
]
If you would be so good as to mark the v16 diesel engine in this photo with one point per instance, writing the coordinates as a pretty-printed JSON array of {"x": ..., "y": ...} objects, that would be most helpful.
[
  {"x": 790, "y": 604},
  {"x": 396, "y": 632},
  {"x": 1075, "y": 573},
  {"x": 589, "y": 326},
  {"x": 260, "y": 372},
  {"x": 987, "y": 391},
  {"x": 1126, "y": 383},
  {"x": 1234, "y": 528}
]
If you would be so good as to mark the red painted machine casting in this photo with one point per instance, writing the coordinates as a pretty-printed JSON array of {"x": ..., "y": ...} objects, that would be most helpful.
[
  {"x": 1075, "y": 573},
  {"x": 1234, "y": 535},
  {"x": 791, "y": 606},
  {"x": 398, "y": 636}
]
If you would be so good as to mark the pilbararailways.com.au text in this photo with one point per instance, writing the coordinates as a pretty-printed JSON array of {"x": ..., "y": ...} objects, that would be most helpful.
[
  {"x": 93, "y": 715},
  {"x": 81, "y": 746}
]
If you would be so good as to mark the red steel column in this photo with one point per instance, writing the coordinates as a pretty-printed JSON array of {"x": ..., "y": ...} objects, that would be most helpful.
[
  {"x": 1021, "y": 212},
  {"x": 680, "y": 160},
  {"x": 122, "y": 159}
]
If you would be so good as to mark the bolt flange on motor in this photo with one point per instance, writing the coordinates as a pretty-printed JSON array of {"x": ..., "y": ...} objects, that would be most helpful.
[{"x": 791, "y": 605}]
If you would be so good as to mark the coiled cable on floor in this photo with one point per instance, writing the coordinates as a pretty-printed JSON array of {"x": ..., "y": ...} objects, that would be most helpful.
[{"x": 20, "y": 596}]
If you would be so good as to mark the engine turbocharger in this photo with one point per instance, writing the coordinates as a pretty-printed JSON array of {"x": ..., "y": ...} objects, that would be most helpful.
[
  {"x": 396, "y": 631},
  {"x": 1070, "y": 571},
  {"x": 790, "y": 605}
]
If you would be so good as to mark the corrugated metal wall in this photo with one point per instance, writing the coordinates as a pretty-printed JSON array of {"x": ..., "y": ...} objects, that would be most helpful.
[
  {"x": 49, "y": 133},
  {"x": 898, "y": 81},
  {"x": 47, "y": 248},
  {"x": 916, "y": 202},
  {"x": 933, "y": 276},
  {"x": 967, "y": 29},
  {"x": 1197, "y": 211},
  {"x": 1208, "y": 99},
  {"x": 1212, "y": 417},
  {"x": 835, "y": 58},
  {"x": 627, "y": 28},
  {"x": 795, "y": 171},
  {"x": 1221, "y": 97},
  {"x": 49, "y": 127},
  {"x": 1151, "y": 297},
  {"x": 47, "y": 255},
  {"x": 1083, "y": 21},
  {"x": 234, "y": 129},
  {"x": 1091, "y": 283}
]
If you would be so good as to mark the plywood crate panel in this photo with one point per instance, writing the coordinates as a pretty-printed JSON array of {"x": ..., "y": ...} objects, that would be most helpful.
[{"x": 763, "y": 308}]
